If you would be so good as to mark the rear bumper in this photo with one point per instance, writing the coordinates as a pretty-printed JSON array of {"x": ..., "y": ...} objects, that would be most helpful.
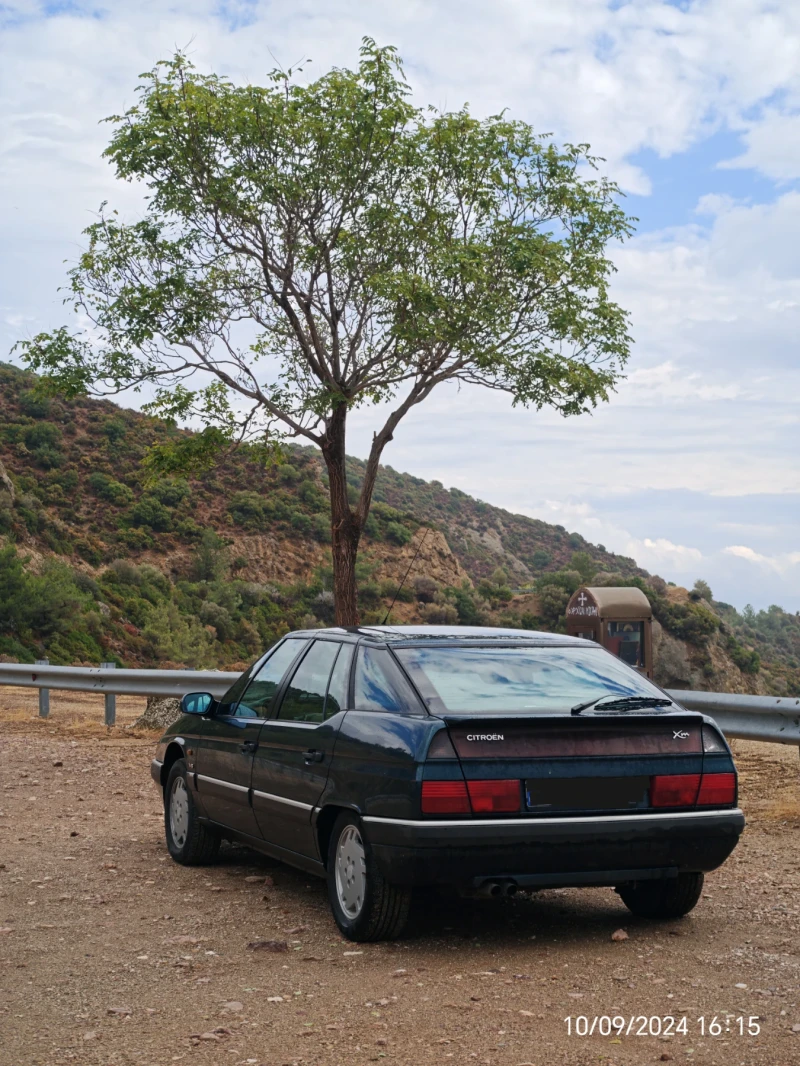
[
  {"x": 606, "y": 849},
  {"x": 155, "y": 772}
]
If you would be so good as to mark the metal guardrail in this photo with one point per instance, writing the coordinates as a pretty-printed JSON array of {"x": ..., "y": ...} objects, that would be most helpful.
[
  {"x": 112, "y": 682},
  {"x": 772, "y": 719}
]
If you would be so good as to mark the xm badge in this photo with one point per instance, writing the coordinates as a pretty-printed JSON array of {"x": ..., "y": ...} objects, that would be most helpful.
[{"x": 680, "y": 734}]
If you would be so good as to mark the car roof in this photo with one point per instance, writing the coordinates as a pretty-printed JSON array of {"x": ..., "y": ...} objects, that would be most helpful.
[{"x": 445, "y": 635}]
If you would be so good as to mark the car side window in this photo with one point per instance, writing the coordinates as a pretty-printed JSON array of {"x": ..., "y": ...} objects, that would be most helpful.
[
  {"x": 379, "y": 684},
  {"x": 257, "y": 698},
  {"x": 338, "y": 689},
  {"x": 304, "y": 699}
]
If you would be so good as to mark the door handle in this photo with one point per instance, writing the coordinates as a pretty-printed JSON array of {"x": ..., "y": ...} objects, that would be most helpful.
[
  {"x": 312, "y": 755},
  {"x": 248, "y": 747}
]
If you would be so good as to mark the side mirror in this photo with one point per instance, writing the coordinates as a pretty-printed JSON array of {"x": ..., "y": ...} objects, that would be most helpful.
[{"x": 196, "y": 703}]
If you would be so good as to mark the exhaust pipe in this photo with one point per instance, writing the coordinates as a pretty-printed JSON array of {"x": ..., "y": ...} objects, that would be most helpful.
[
  {"x": 490, "y": 890},
  {"x": 510, "y": 888}
]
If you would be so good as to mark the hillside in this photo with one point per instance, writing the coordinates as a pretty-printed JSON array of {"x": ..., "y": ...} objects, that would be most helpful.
[{"x": 205, "y": 571}]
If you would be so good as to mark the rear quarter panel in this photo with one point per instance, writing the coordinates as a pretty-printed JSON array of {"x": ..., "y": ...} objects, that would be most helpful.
[{"x": 378, "y": 763}]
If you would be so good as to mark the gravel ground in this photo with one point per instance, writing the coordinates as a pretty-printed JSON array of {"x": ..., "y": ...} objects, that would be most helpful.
[{"x": 112, "y": 954}]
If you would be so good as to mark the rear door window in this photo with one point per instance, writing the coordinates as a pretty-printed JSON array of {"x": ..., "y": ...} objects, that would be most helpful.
[
  {"x": 304, "y": 699},
  {"x": 380, "y": 685},
  {"x": 260, "y": 692}
]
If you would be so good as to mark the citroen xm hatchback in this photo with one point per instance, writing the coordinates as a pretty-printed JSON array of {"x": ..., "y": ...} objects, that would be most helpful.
[{"x": 486, "y": 760}]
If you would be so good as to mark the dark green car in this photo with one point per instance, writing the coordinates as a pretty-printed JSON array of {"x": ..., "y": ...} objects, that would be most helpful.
[{"x": 488, "y": 761}]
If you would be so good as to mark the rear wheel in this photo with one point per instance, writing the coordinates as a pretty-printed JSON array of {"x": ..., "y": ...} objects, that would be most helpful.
[
  {"x": 669, "y": 898},
  {"x": 365, "y": 905},
  {"x": 188, "y": 841}
]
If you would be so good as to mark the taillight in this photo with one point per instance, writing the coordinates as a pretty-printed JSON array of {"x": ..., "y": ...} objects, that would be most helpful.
[
  {"x": 674, "y": 790},
  {"x": 712, "y": 741},
  {"x": 689, "y": 790},
  {"x": 716, "y": 790},
  {"x": 445, "y": 797},
  {"x": 493, "y": 796}
]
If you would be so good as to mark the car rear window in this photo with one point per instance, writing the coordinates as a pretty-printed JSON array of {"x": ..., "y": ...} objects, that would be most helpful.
[{"x": 502, "y": 680}]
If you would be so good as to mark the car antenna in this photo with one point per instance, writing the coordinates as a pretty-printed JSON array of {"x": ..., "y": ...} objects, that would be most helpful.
[{"x": 399, "y": 587}]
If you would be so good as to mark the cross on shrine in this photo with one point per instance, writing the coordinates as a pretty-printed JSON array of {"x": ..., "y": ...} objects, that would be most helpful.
[{"x": 582, "y": 599}]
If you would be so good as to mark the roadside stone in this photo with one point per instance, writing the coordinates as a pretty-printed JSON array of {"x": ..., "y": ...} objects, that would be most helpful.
[
  {"x": 620, "y": 934},
  {"x": 268, "y": 945}
]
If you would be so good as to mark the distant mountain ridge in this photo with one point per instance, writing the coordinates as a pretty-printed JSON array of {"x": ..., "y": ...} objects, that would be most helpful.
[{"x": 205, "y": 570}]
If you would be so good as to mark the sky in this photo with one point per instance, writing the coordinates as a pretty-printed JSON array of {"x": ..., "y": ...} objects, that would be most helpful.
[{"x": 692, "y": 468}]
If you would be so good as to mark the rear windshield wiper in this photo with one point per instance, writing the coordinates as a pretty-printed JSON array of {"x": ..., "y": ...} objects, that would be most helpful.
[{"x": 622, "y": 703}]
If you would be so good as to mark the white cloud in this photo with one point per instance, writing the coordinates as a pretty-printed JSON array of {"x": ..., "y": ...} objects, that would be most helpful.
[
  {"x": 772, "y": 146},
  {"x": 781, "y": 564},
  {"x": 711, "y": 404}
]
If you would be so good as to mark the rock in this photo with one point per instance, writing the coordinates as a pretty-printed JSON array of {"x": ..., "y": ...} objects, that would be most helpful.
[
  {"x": 5, "y": 930},
  {"x": 233, "y": 1005},
  {"x": 159, "y": 713},
  {"x": 268, "y": 945},
  {"x": 297, "y": 929},
  {"x": 620, "y": 934},
  {"x": 7, "y": 493},
  {"x": 119, "y": 1012},
  {"x": 57, "y": 762}
]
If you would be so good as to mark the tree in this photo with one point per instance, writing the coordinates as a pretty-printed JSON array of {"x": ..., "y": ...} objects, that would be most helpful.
[{"x": 310, "y": 249}]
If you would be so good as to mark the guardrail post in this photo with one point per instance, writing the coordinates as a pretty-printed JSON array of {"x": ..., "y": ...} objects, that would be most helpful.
[
  {"x": 44, "y": 693},
  {"x": 111, "y": 700}
]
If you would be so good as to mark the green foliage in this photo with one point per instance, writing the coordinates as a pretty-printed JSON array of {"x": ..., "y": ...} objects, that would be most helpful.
[
  {"x": 748, "y": 660},
  {"x": 170, "y": 492},
  {"x": 107, "y": 488},
  {"x": 33, "y": 404},
  {"x": 469, "y": 249},
  {"x": 585, "y": 565},
  {"x": 553, "y": 600},
  {"x": 540, "y": 559},
  {"x": 702, "y": 591},
  {"x": 568, "y": 580},
  {"x": 150, "y": 513},
  {"x": 210, "y": 561},
  {"x": 43, "y": 441},
  {"x": 397, "y": 533},
  {"x": 247, "y": 510}
]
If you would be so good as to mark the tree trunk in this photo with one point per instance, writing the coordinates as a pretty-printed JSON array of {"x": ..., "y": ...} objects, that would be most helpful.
[{"x": 345, "y": 525}]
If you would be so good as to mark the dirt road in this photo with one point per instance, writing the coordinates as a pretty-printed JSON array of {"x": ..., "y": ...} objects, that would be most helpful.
[{"x": 111, "y": 954}]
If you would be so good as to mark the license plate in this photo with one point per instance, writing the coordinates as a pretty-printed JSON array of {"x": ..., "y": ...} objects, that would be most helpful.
[{"x": 586, "y": 793}]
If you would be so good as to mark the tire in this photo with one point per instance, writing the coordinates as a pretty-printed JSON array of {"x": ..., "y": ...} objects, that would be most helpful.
[
  {"x": 365, "y": 906},
  {"x": 668, "y": 898},
  {"x": 188, "y": 841}
]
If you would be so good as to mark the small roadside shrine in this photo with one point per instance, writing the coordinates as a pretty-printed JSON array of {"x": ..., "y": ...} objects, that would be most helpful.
[{"x": 621, "y": 619}]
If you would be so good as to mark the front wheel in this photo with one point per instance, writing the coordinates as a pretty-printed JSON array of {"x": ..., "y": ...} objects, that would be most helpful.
[
  {"x": 669, "y": 898},
  {"x": 365, "y": 905},
  {"x": 189, "y": 842}
]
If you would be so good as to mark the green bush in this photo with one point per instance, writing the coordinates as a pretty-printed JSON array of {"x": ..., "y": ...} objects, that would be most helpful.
[
  {"x": 107, "y": 488},
  {"x": 42, "y": 435},
  {"x": 114, "y": 429},
  {"x": 170, "y": 492},
  {"x": 398, "y": 534},
  {"x": 301, "y": 522},
  {"x": 247, "y": 510},
  {"x": 540, "y": 559},
  {"x": 151, "y": 514},
  {"x": 33, "y": 405},
  {"x": 287, "y": 473},
  {"x": 321, "y": 528}
]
